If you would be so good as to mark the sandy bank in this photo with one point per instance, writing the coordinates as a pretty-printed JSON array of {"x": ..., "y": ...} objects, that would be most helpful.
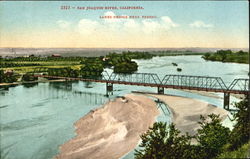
[
  {"x": 111, "y": 131},
  {"x": 186, "y": 111}
]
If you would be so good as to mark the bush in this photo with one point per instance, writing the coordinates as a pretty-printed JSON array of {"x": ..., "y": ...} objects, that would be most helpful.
[
  {"x": 126, "y": 67},
  {"x": 63, "y": 72},
  {"x": 242, "y": 152},
  {"x": 162, "y": 142},
  {"x": 212, "y": 136},
  {"x": 240, "y": 133},
  {"x": 29, "y": 77},
  {"x": 7, "y": 77}
]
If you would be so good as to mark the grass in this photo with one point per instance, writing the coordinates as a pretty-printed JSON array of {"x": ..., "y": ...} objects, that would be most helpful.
[
  {"x": 242, "y": 152},
  {"x": 32, "y": 68}
]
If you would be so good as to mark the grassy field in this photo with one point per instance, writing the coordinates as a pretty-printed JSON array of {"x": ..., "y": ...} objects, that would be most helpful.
[{"x": 51, "y": 64}]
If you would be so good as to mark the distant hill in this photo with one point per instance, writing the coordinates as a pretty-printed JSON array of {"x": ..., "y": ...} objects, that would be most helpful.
[{"x": 96, "y": 51}]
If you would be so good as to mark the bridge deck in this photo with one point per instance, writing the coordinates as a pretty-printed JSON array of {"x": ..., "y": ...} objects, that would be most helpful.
[{"x": 200, "y": 83}]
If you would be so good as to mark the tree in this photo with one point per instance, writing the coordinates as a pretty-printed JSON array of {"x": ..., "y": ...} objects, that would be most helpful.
[
  {"x": 223, "y": 54},
  {"x": 206, "y": 55},
  {"x": 163, "y": 142},
  {"x": 241, "y": 131},
  {"x": 212, "y": 135},
  {"x": 166, "y": 142}
]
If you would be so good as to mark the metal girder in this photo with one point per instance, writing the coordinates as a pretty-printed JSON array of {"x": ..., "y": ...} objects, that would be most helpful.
[
  {"x": 239, "y": 84},
  {"x": 202, "y": 83},
  {"x": 194, "y": 81},
  {"x": 144, "y": 78}
]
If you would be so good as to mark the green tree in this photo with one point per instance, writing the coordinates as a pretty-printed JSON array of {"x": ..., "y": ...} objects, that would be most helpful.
[
  {"x": 206, "y": 55},
  {"x": 163, "y": 142},
  {"x": 212, "y": 135},
  {"x": 166, "y": 142},
  {"x": 241, "y": 131}
]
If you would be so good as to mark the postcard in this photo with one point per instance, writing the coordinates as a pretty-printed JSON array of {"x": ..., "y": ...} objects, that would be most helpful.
[{"x": 124, "y": 79}]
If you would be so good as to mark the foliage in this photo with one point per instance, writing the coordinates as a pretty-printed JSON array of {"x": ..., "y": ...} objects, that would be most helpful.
[
  {"x": 37, "y": 58},
  {"x": 7, "y": 77},
  {"x": 212, "y": 136},
  {"x": 228, "y": 56},
  {"x": 162, "y": 142},
  {"x": 14, "y": 64},
  {"x": 241, "y": 131},
  {"x": 29, "y": 77},
  {"x": 63, "y": 72},
  {"x": 138, "y": 55},
  {"x": 126, "y": 67},
  {"x": 242, "y": 152},
  {"x": 91, "y": 67}
]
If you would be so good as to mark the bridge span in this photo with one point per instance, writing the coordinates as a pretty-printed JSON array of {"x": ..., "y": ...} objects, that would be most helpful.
[{"x": 199, "y": 83}]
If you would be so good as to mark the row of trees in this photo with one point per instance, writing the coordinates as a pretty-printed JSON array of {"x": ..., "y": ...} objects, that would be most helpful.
[
  {"x": 228, "y": 56},
  {"x": 37, "y": 58},
  {"x": 213, "y": 140},
  {"x": 63, "y": 72},
  {"x": 7, "y": 77},
  {"x": 92, "y": 67},
  {"x": 16, "y": 64},
  {"x": 29, "y": 77}
]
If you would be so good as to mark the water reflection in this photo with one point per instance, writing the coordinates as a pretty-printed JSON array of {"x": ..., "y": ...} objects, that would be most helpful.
[{"x": 30, "y": 85}]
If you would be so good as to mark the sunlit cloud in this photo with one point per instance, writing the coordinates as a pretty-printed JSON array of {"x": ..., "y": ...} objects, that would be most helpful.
[
  {"x": 200, "y": 24},
  {"x": 113, "y": 26},
  {"x": 63, "y": 24},
  {"x": 87, "y": 26}
]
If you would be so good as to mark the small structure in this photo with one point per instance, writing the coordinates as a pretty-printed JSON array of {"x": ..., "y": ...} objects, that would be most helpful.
[
  {"x": 8, "y": 72},
  {"x": 56, "y": 55},
  {"x": 179, "y": 69},
  {"x": 174, "y": 64}
]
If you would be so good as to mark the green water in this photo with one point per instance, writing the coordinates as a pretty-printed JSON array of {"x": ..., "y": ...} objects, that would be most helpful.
[{"x": 36, "y": 120}]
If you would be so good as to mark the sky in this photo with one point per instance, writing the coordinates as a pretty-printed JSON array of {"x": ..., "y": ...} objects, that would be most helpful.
[{"x": 176, "y": 24}]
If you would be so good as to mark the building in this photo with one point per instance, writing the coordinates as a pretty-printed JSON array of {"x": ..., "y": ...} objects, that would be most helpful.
[{"x": 55, "y": 55}]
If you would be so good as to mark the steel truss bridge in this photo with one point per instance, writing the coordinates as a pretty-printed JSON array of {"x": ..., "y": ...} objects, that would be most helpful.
[{"x": 199, "y": 83}]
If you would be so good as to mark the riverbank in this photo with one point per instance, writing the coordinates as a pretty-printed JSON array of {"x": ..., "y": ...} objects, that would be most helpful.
[
  {"x": 27, "y": 82},
  {"x": 112, "y": 130}
]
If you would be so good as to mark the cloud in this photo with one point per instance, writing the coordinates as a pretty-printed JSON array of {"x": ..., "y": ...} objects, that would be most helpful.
[
  {"x": 168, "y": 23},
  {"x": 86, "y": 26},
  {"x": 117, "y": 27},
  {"x": 158, "y": 25},
  {"x": 200, "y": 24},
  {"x": 63, "y": 24}
]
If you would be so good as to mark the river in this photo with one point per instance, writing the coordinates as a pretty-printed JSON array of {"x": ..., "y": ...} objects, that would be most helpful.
[{"x": 36, "y": 120}]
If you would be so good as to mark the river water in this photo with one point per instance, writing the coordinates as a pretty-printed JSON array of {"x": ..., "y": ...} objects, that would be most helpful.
[{"x": 36, "y": 119}]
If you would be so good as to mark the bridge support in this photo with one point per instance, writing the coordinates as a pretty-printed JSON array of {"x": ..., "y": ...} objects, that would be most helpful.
[
  {"x": 109, "y": 89},
  {"x": 226, "y": 101},
  {"x": 160, "y": 90}
]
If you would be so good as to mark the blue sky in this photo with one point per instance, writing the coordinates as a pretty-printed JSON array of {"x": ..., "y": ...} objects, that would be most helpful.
[{"x": 228, "y": 19}]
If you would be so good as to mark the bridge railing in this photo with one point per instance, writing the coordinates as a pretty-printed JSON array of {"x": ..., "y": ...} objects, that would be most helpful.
[
  {"x": 239, "y": 84},
  {"x": 185, "y": 81},
  {"x": 146, "y": 78},
  {"x": 205, "y": 83}
]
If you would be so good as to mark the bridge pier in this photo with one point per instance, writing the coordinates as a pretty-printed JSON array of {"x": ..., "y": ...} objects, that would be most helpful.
[
  {"x": 226, "y": 100},
  {"x": 109, "y": 89},
  {"x": 160, "y": 90}
]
